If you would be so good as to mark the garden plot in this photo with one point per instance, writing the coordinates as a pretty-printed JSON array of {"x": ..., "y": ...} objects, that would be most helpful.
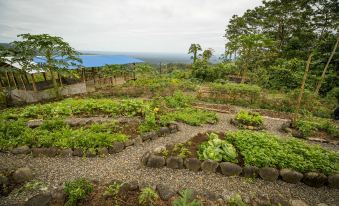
[
  {"x": 251, "y": 154},
  {"x": 90, "y": 127}
]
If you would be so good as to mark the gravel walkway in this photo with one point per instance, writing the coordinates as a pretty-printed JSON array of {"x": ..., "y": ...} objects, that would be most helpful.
[{"x": 125, "y": 166}]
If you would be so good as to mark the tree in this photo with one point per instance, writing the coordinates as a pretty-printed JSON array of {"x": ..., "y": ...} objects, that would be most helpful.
[
  {"x": 57, "y": 54},
  {"x": 207, "y": 54},
  {"x": 194, "y": 48}
]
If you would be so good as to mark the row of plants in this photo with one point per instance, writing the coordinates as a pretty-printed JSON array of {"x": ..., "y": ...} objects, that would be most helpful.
[
  {"x": 309, "y": 128},
  {"x": 260, "y": 149}
]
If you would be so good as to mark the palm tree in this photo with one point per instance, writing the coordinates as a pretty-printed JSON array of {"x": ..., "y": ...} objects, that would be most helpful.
[
  {"x": 194, "y": 48},
  {"x": 207, "y": 54}
]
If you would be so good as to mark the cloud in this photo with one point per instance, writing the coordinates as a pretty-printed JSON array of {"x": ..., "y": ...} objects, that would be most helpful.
[{"x": 124, "y": 25}]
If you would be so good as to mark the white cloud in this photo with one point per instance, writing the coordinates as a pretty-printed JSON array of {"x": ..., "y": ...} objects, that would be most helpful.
[{"x": 124, "y": 25}]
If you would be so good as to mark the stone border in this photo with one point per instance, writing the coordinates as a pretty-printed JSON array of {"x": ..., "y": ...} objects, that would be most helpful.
[
  {"x": 115, "y": 148},
  {"x": 313, "y": 179}
]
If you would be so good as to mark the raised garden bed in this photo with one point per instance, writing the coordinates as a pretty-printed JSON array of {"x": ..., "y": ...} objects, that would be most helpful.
[
  {"x": 250, "y": 154},
  {"x": 248, "y": 120}
]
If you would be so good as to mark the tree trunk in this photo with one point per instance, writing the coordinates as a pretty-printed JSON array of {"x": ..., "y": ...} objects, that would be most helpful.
[
  {"x": 326, "y": 67},
  {"x": 303, "y": 81},
  {"x": 55, "y": 84},
  {"x": 33, "y": 83}
]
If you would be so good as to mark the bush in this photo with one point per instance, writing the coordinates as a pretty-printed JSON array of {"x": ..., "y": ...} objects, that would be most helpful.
[
  {"x": 263, "y": 149},
  {"x": 77, "y": 190},
  {"x": 178, "y": 100},
  {"x": 186, "y": 199},
  {"x": 217, "y": 150},
  {"x": 148, "y": 196},
  {"x": 249, "y": 118},
  {"x": 308, "y": 127}
]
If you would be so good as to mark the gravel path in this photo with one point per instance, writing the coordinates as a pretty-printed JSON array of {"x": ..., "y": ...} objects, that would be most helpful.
[{"x": 125, "y": 166}]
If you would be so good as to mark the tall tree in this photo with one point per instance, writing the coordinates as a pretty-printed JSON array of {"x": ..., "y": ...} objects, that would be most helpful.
[
  {"x": 194, "y": 48},
  {"x": 57, "y": 54},
  {"x": 207, "y": 54}
]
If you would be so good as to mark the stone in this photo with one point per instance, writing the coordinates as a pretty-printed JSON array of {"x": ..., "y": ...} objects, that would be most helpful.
[
  {"x": 279, "y": 200},
  {"x": 22, "y": 175},
  {"x": 322, "y": 204},
  {"x": 159, "y": 150},
  {"x": 103, "y": 151},
  {"x": 138, "y": 140},
  {"x": 66, "y": 152},
  {"x": 91, "y": 153},
  {"x": 156, "y": 161},
  {"x": 291, "y": 176},
  {"x": 116, "y": 147},
  {"x": 227, "y": 194},
  {"x": 192, "y": 164},
  {"x": 144, "y": 158},
  {"x": 261, "y": 200},
  {"x": 129, "y": 142},
  {"x": 297, "y": 203},
  {"x": 269, "y": 173},
  {"x": 210, "y": 195},
  {"x": 39, "y": 200},
  {"x": 21, "y": 150},
  {"x": 175, "y": 162},
  {"x": 3, "y": 180},
  {"x": 143, "y": 185},
  {"x": 36, "y": 151},
  {"x": 148, "y": 136},
  {"x": 34, "y": 123},
  {"x": 165, "y": 192},
  {"x": 333, "y": 181},
  {"x": 78, "y": 152},
  {"x": 230, "y": 169},
  {"x": 209, "y": 166},
  {"x": 164, "y": 131},
  {"x": 50, "y": 152},
  {"x": 58, "y": 196},
  {"x": 297, "y": 134},
  {"x": 133, "y": 185},
  {"x": 173, "y": 127},
  {"x": 314, "y": 179},
  {"x": 285, "y": 125},
  {"x": 74, "y": 122},
  {"x": 250, "y": 171}
]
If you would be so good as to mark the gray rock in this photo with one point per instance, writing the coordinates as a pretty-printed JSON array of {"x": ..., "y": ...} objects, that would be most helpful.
[
  {"x": 297, "y": 134},
  {"x": 21, "y": 150},
  {"x": 129, "y": 142},
  {"x": 261, "y": 200},
  {"x": 36, "y": 152},
  {"x": 35, "y": 123},
  {"x": 314, "y": 179},
  {"x": 74, "y": 122},
  {"x": 149, "y": 135},
  {"x": 291, "y": 176},
  {"x": 144, "y": 158},
  {"x": 50, "y": 152},
  {"x": 333, "y": 181},
  {"x": 103, "y": 151},
  {"x": 39, "y": 200},
  {"x": 78, "y": 152},
  {"x": 175, "y": 162},
  {"x": 22, "y": 175},
  {"x": 269, "y": 173},
  {"x": 279, "y": 200},
  {"x": 250, "y": 171},
  {"x": 210, "y": 195},
  {"x": 165, "y": 192},
  {"x": 91, "y": 153},
  {"x": 66, "y": 152},
  {"x": 209, "y": 166},
  {"x": 133, "y": 185},
  {"x": 230, "y": 169},
  {"x": 192, "y": 164},
  {"x": 156, "y": 161},
  {"x": 159, "y": 150},
  {"x": 116, "y": 147},
  {"x": 58, "y": 196},
  {"x": 164, "y": 131},
  {"x": 297, "y": 203},
  {"x": 3, "y": 180},
  {"x": 173, "y": 127},
  {"x": 138, "y": 140}
]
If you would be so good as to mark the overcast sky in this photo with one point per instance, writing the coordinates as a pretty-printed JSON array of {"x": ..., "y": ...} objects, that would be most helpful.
[{"x": 124, "y": 25}]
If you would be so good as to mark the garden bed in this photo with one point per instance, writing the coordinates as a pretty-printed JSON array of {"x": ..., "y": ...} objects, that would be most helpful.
[
  {"x": 248, "y": 120},
  {"x": 250, "y": 154}
]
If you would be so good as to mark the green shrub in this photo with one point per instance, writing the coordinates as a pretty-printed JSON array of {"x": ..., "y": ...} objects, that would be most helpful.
[
  {"x": 150, "y": 123},
  {"x": 249, "y": 118},
  {"x": 148, "y": 196},
  {"x": 181, "y": 150},
  {"x": 217, "y": 149},
  {"x": 236, "y": 200},
  {"x": 186, "y": 199},
  {"x": 189, "y": 116},
  {"x": 263, "y": 149},
  {"x": 178, "y": 100},
  {"x": 77, "y": 190},
  {"x": 308, "y": 127}
]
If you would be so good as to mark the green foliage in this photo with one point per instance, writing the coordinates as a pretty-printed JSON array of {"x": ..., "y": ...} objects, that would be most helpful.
[
  {"x": 150, "y": 123},
  {"x": 178, "y": 100},
  {"x": 181, "y": 150},
  {"x": 249, "y": 118},
  {"x": 263, "y": 149},
  {"x": 113, "y": 190},
  {"x": 236, "y": 200},
  {"x": 148, "y": 196},
  {"x": 77, "y": 190},
  {"x": 189, "y": 116},
  {"x": 308, "y": 127},
  {"x": 211, "y": 73},
  {"x": 217, "y": 149},
  {"x": 31, "y": 186},
  {"x": 186, "y": 199}
]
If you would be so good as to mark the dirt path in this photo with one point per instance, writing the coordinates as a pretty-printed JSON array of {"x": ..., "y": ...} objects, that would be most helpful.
[{"x": 125, "y": 166}]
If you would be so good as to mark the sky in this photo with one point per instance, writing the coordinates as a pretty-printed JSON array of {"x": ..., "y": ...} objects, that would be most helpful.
[{"x": 167, "y": 26}]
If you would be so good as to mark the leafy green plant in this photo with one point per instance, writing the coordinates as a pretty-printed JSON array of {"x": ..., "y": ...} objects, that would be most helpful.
[
  {"x": 308, "y": 127},
  {"x": 31, "y": 186},
  {"x": 178, "y": 100},
  {"x": 181, "y": 150},
  {"x": 77, "y": 190},
  {"x": 190, "y": 116},
  {"x": 249, "y": 118},
  {"x": 148, "y": 196},
  {"x": 150, "y": 123},
  {"x": 113, "y": 191},
  {"x": 236, "y": 200},
  {"x": 263, "y": 149},
  {"x": 217, "y": 149},
  {"x": 186, "y": 199}
]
